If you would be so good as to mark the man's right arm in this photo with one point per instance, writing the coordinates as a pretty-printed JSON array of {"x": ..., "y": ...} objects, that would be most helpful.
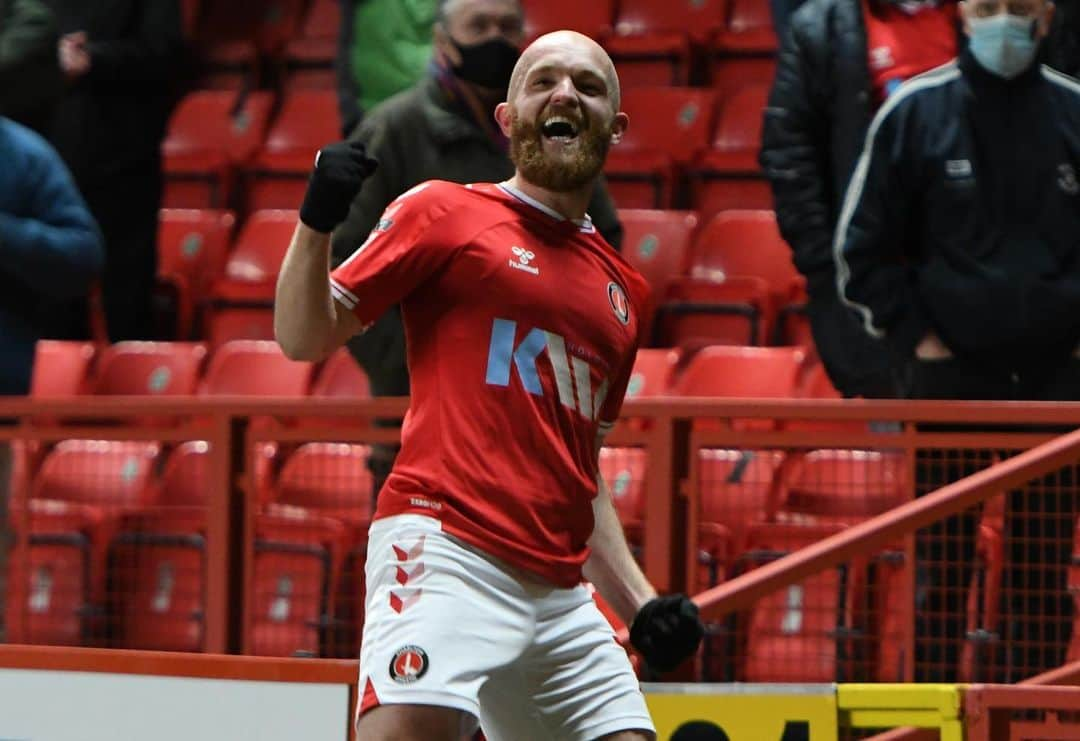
[
  {"x": 794, "y": 153},
  {"x": 309, "y": 323}
]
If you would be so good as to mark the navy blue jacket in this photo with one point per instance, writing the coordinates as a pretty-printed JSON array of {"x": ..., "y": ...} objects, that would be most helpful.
[
  {"x": 50, "y": 248},
  {"x": 963, "y": 217}
]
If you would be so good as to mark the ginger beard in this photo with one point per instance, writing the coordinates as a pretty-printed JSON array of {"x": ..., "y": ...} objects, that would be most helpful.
[{"x": 559, "y": 157}]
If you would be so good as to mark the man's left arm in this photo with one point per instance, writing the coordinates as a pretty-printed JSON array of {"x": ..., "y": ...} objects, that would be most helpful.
[{"x": 611, "y": 566}]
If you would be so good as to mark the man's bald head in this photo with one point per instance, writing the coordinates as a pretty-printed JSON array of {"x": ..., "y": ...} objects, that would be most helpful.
[{"x": 559, "y": 43}]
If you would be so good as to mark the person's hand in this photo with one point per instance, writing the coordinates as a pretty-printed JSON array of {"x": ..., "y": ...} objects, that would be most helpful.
[
  {"x": 340, "y": 169},
  {"x": 667, "y": 631},
  {"x": 932, "y": 348},
  {"x": 74, "y": 55}
]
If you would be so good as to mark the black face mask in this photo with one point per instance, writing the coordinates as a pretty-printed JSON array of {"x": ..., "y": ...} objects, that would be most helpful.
[{"x": 488, "y": 64}]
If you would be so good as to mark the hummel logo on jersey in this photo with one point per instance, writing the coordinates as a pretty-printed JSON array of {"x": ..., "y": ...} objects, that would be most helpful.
[
  {"x": 571, "y": 373},
  {"x": 524, "y": 257}
]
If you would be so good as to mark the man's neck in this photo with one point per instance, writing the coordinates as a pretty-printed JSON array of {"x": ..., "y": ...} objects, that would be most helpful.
[{"x": 570, "y": 204}]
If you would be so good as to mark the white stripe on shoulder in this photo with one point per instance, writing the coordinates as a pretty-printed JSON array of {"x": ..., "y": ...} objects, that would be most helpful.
[
  {"x": 1060, "y": 78},
  {"x": 930, "y": 79},
  {"x": 342, "y": 295}
]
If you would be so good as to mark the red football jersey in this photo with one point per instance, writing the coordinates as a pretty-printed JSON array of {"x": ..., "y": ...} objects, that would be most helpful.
[{"x": 521, "y": 329}]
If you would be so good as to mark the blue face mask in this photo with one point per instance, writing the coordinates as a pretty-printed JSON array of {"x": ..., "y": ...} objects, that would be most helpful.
[{"x": 1003, "y": 44}]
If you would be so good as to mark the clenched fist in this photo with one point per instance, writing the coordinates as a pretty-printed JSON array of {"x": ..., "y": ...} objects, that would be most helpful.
[{"x": 340, "y": 169}]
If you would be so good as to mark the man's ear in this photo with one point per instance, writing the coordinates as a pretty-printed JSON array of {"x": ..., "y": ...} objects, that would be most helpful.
[
  {"x": 619, "y": 126},
  {"x": 504, "y": 116}
]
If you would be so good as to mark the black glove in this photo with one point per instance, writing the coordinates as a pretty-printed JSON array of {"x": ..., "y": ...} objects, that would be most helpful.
[
  {"x": 667, "y": 631},
  {"x": 340, "y": 170}
]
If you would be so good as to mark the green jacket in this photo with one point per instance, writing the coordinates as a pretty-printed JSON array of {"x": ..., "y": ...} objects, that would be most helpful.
[
  {"x": 420, "y": 135},
  {"x": 30, "y": 80}
]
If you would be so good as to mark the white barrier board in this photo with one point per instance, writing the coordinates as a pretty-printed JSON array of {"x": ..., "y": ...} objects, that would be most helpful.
[{"x": 39, "y": 705}]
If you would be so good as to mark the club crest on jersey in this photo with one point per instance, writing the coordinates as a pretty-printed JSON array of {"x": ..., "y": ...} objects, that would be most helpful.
[
  {"x": 619, "y": 304},
  {"x": 409, "y": 664},
  {"x": 524, "y": 257}
]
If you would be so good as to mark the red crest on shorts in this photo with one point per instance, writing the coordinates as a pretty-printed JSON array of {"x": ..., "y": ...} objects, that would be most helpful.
[
  {"x": 619, "y": 303},
  {"x": 408, "y": 664}
]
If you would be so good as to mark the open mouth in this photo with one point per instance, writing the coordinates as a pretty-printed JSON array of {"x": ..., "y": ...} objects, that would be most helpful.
[{"x": 559, "y": 129}]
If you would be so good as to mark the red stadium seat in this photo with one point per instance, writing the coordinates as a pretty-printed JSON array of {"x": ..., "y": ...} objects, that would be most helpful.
[
  {"x": 210, "y": 134},
  {"x": 61, "y": 368},
  {"x": 845, "y": 485},
  {"x": 307, "y": 121},
  {"x": 86, "y": 486},
  {"x": 736, "y": 489},
  {"x": 255, "y": 368},
  {"x": 192, "y": 245},
  {"x": 748, "y": 31},
  {"x": 653, "y": 373},
  {"x": 752, "y": 372},
  {"x": 593, "y": 18},
  {"x": 341, "y": 377},
  {"x": 243, "y": 300},
  {"x": 295, "y": 568},
  {"x": 747, "y": 243},
  {"x": 49, "y": 597},
  {"x": 623, "y": 470},
  {"x": 696, "y": 312},
  {"x": 653, "y": 38},
  {"x": 669, "y": 126},
  {"x": 232, "y": 37},
  {"x": 104, "y": 473},
  {"x": 793, "y": 634},
  {"x": 332, "y": 480},
  {"x": 166, "y": 368},
  {"x": 728, "y": 175},
  {"x": 310, "y": 57},
  {"x": 657, "y": 243}
]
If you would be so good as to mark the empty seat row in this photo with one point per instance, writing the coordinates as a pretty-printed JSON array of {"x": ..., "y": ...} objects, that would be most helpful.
[
  {"x": 652, "y": 41},
  {"x": 237, "y": 368},
  {"x": 225, "y": 149},
  {"x": 114, "y": 555}
]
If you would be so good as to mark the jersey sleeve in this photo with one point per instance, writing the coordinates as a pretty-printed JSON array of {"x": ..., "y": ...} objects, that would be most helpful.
[{"x": 413, "y": 240}]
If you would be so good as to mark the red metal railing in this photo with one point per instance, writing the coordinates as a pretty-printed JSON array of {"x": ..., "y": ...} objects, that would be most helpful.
[{"x": 672, "y": 433}]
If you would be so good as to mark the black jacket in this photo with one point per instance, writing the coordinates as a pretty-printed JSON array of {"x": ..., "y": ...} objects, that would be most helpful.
[
  {"x": 963, "y": 216},
  {"x": 818, "y": 112},
  {"x": 112, "y": 121},
  {"x": 30, "y": 80}
]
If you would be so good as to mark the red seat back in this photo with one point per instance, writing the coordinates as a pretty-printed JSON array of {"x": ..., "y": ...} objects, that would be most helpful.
[
  {"x": 330, "y": 476},
  {"x": 261, "y": 246},
  {"x": 342, "y": 377},
  {"x": 107, "y": 473},
  {"x": 693, "y": 17},
  {"x": 60, "y": 368},
  {"x": 751, "y": 372},
  {"x": 255, "y": 368},
  {"x": 657, "y": 243},
  {"x": 194, "y": 243},
  {"x": 672, "y": 120},
  {"x": 745, "y": 243},
  {"x": 738, "y": 127},
  {"x": 593, "y": 18},
  {"x": 653, "y": 372},
  {"x": 165, "y": 368}
]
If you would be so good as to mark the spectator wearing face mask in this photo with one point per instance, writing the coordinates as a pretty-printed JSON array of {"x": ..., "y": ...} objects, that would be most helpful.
[
  {"x": 959, "y": 247},
  {"x": 839, "y": 61},
  {"x": 442, "y": 128}
]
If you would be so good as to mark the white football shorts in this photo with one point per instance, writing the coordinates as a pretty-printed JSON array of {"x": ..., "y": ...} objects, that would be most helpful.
[{"x": 448, "y": 625}]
